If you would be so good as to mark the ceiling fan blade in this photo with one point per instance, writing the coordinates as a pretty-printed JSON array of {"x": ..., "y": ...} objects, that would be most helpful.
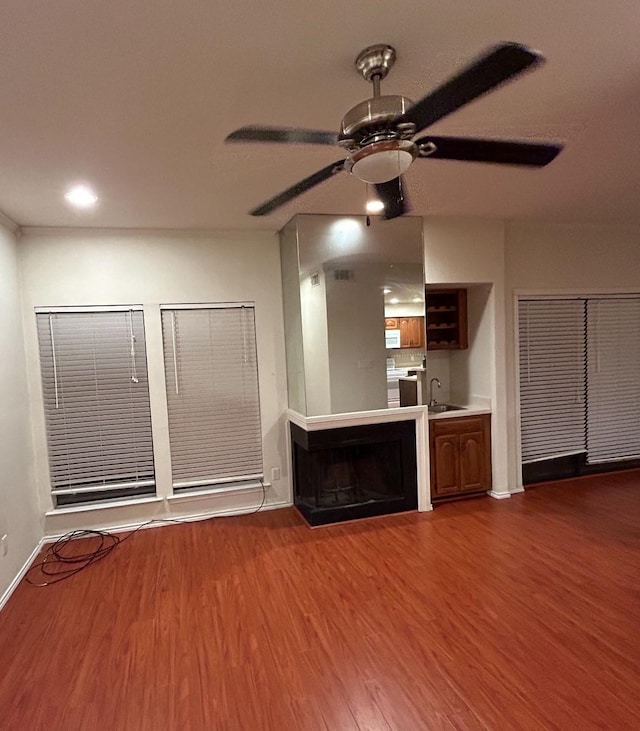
[
  {"x": 298, "y": 189},
  {"x": 392, "y": 195},
  {"x": 502, "y": 152},
  {"x": 499, "y": 64},
  {"x": 288, "y": 135}
]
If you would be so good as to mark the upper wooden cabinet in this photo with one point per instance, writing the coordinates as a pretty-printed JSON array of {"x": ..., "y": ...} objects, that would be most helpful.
[
  {"x": 447, "y": 319},
  {"x": 411, "y": 330}
]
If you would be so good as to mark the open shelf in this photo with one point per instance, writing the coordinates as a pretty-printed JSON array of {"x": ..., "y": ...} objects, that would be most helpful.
[{"x": 446, "y": 319}]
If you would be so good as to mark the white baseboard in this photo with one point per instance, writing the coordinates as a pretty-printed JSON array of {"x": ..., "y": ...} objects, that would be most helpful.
[
  {"x": 20, "y": 575},
  {"x": 516, "y": 490},
  {"x": 160, "y": 521},
  {"x": 498, "y": 495}
]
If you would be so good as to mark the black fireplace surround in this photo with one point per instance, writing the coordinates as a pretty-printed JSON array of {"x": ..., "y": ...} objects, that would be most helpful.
[{"x": 354, "y": 472}]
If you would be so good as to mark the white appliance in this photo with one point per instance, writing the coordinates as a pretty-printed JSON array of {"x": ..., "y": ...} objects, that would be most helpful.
[
  {"x": 393, "y": 386},
  {"x": 392, "y": 338}
]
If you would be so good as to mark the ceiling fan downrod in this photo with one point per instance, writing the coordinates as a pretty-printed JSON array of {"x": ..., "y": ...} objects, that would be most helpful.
[{"x": 374, "y": 63}]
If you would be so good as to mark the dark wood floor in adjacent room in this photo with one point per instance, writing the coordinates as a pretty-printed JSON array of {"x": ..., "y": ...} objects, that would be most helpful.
[{"x": 499, "y": 615}]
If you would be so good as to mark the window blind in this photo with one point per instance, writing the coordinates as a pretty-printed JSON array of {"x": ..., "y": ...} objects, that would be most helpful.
[
  {"x": 96, "y": 402},
  {"x": 613, "y": 378},
  {"x": 212, "y": 395},
  {"x": 552, "y": 378}
]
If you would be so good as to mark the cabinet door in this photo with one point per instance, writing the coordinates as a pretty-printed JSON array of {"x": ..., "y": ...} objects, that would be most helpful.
[
  {"x": 445, "y": 465},
  {"x": 460, "y": 455},
  {"x": 405, "y": 334},
  {"x": 411, "y": 332},
  {"x": 472, "y": 461},
  {"x": 391, "y": 323},
  {"x": 416, "y": 330}
]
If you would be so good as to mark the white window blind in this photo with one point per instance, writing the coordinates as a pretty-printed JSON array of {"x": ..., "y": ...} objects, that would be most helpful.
[
  {"x": 96, "y": 401},
  {"x": 613, "y": 378},
  {"x": 212, "y": 395},
  {"x": 552, "y": 378}
]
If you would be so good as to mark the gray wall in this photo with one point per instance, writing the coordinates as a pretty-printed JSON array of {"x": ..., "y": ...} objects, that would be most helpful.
[{"x": 19, "y": 515}]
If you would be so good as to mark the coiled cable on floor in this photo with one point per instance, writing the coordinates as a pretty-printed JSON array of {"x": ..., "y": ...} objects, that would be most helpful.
[{"x": 59, "y": 563}]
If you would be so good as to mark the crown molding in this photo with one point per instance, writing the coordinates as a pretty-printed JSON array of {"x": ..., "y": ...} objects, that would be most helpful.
[
  {"x": 9, "y": 223},
  {"x": 163, "y": 232}
]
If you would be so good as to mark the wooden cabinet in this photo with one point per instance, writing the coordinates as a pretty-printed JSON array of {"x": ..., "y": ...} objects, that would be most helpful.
[
  {"x": 411, "y": 330},
  {"x": 446, "y": 319},
  {"x": 460, "y": 455}
]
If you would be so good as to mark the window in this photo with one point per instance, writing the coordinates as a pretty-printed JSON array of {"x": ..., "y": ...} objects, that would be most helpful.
[
  {"x": 96, "y": 402},
  {"x": 552, "y": 378},
  {"x": 613, "y": 379},
  {"x": 212, "y": 395},
  {"x": 579, "y": 368}
]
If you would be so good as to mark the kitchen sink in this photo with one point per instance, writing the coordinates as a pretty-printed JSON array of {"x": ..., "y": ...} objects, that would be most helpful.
[{"x": 441, "y": 408}]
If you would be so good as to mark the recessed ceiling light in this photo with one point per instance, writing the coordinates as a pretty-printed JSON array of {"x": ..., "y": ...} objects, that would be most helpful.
[
  {"x": 375, "y": 206},
  {"x": 394, "y": 300},
  {"x": 81, "y": 196},
  {"x": 417, "y": 299},
  {"x": 386, "y": 290}
]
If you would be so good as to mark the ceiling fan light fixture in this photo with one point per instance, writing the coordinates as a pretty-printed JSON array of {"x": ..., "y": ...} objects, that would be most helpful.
[
  {"x": 375, "y": 206},
  {"x": 379, "y": 162},
  {"x": 382, "y": 166}
]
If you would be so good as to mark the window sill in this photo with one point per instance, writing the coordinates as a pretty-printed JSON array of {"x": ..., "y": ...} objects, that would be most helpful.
[
  {"x": 103, "y": 506},
  {"x": 226, "y": 490}
]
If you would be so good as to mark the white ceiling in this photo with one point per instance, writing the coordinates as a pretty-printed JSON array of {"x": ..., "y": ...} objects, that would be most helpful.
[{"x": 137, "y": 97}]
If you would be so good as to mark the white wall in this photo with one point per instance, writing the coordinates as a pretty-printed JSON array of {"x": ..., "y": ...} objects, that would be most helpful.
[
  {"x": 575, "y": 257},
  {"x": 315, "y": 343},
  {"x": 439, "y": 366},
  {"x": 292, "y": 312},
  {"x": 463, "y": 251},
  {"x": 110, "y": 268},
  {"x": 19, "y": 516},
  {"x": 471, "y": 369},
  {"x": 470, "y": 252},
  {"x": 355, "y": 327},
  {"x": 562, "y": 258}
]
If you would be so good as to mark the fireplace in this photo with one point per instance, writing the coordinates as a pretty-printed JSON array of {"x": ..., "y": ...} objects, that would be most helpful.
[{"x": 354, "y": 472}]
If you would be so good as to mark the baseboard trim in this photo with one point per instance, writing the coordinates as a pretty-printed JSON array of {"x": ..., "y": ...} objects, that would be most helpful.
[
  {"x": 516, "y": 490},
  {"x": 160, "y": 521},
  {"x": 20, "y": 575},
  {"x": 498, "y": 495}
]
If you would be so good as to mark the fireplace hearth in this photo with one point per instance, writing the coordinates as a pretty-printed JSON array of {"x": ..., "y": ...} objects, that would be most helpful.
[{"x": 354, "y": 472}]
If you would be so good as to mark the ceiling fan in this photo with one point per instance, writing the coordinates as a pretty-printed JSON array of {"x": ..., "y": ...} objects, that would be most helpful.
[{"x": 378, "y": 134}]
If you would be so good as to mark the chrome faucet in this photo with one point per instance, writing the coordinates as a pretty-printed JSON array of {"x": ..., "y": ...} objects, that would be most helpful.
[{"x": 432, "y": 401}]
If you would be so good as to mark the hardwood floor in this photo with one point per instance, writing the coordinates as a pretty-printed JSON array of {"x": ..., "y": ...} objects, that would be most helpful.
[{"x": 500, "y": 615}]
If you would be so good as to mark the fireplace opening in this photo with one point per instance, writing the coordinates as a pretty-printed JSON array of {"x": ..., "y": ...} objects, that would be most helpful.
[{"x": 354, "y": 472}]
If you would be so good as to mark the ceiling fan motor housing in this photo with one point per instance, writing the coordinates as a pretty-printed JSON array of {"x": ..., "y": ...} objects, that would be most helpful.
[
  {"x": 379, "y": 149},
  {"x": 371, "y": 121}
]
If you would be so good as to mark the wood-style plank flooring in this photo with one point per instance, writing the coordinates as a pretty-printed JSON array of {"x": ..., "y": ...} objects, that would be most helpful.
[{"x": 500, "y": 615}]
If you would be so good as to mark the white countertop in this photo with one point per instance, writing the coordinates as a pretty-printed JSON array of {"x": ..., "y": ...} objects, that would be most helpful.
[{"x": 467, "y": 410}]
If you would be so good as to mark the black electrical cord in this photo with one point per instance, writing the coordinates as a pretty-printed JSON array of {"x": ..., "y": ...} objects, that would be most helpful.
[{"x": 58, "y": 564}]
